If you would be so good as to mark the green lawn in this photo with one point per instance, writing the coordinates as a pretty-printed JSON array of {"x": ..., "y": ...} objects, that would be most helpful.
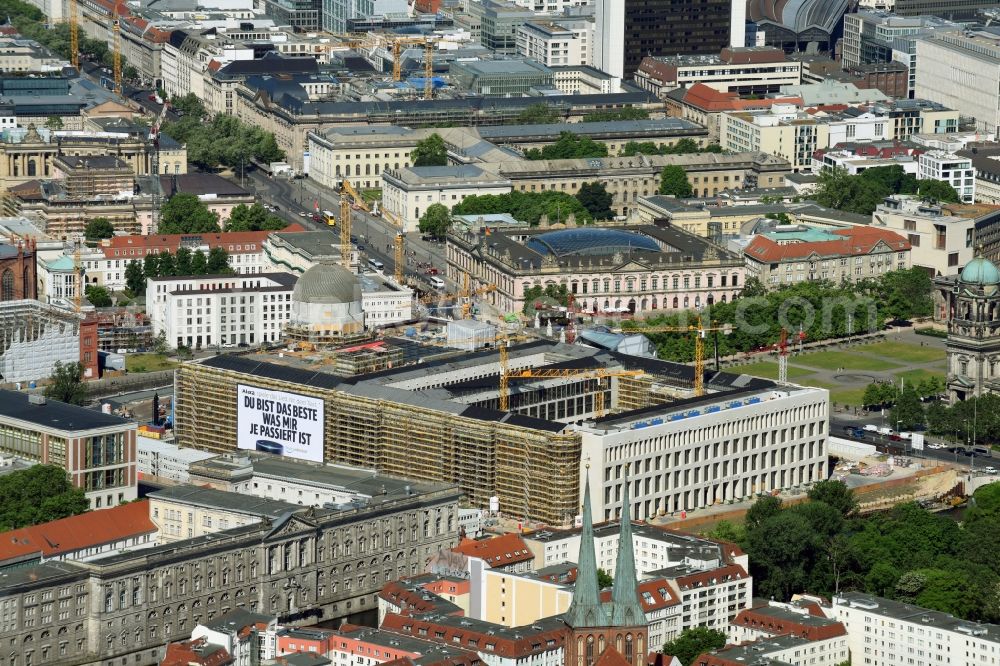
[
  {"x": 903, "y": 351},
  {"x": 370, "y": 195},
  {"x": 148, "y": 362},
  {"x": 849, "y": 360},
  {"x": 842, "y": 395},
  {"x": 918, "y": 374},
  {"x": 768, "y": 370}
]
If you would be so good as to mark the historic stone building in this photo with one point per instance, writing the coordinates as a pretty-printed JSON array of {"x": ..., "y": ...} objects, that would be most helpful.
[
  {"x": 306, "y": 567},
  {"x": 970, "y": 303},
  {"x": 28, "y": 155}
]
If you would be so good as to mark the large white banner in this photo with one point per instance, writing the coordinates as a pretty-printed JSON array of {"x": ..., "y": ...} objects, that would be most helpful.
[{"x": 285, "y": 424}]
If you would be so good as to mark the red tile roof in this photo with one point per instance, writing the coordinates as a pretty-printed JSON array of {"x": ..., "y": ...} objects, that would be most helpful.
[
  {"x": 711, "y": 100},
  {"x": 711, "y": 577},
  {"x": 853, "y": 242},
  {"x": 528, "y": 641},
  {"x": 778, "y": 624},
  {"x": 199, "y": 651},
  {"x": 138, "y": 246},
  {"x": 659, "y": 595},
  {"x": 498, "y": 551},
  {"x": 91, "y": 529}
]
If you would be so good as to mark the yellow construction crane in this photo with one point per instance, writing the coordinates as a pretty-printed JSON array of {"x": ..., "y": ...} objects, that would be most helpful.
[
  {"x": 392, "y": 217},
  {"x": 600, "y": 374},
  {"x": 347, "y": 194},
  {"x": 466, "y": 294},
  {"x": 700, "y": 332},
  {"x": 74, "y": 36},
  {"x": 400, "y": 259},
  {"x": 116, "y": 27},
  {"x": 396, "y": 44}
]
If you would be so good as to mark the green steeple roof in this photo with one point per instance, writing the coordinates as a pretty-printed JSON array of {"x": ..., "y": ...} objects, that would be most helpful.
[
  {"x": 626, "y": 611},
  {"x": 586, "y": 609}
]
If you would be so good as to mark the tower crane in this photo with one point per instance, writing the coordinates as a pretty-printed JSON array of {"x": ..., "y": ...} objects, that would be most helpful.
[
  {"x": 699, "y": 331},
  {"x": 396, "y": 48},
  {"x": 400, "y": 258},
  {"x": 348, "y": 193},
  {"x": 600, "y": 374},
  {"x": 116, "y": 28},
  {"x": 153, "y": 146},
  {"x": 467, "y": 293},
  {"x": 783, "y": 357},
  {"x": 74, "y": 36}
]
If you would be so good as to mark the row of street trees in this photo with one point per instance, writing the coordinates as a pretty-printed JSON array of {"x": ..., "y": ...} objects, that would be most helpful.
[{"x": 183, "y": 262}]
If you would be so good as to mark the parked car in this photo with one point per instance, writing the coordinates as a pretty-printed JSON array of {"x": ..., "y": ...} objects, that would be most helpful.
[
  {"x": 886, "y": 431},
  {"x": 432, "y": 271},
  {"x": 989, "y": 469},
  {"x": 895, "y": 438},
  {"x": 854, "y": 431},
  {"x": 871, "y": 428}
]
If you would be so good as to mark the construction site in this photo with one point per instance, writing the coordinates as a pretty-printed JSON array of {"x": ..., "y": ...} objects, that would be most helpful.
[{"x": 519, "y": 426}]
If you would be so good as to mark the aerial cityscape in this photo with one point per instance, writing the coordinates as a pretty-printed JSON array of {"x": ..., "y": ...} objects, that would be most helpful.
[{"x": 500, "y": 333}]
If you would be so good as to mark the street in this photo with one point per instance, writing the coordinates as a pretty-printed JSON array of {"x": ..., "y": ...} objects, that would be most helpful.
[{"x": 375, "y": 234}]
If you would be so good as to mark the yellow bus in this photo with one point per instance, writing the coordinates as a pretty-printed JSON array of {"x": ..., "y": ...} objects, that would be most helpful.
[{"x": 329, "y": 218}]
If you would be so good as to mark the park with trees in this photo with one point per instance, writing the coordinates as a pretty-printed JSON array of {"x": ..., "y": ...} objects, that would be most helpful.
[
  {"x": 823, "y": 545},
  {"x": 863, "y": 192}
]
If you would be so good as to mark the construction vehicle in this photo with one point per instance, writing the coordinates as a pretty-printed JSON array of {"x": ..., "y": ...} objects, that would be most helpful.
[{"x": 699, "y": 331}]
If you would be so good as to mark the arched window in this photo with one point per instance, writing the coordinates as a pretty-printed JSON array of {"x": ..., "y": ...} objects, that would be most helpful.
[
  {"x": 629, "y": 652},
  {"x": 7, "y": 286},
  {"x": 590, "y": 650}
]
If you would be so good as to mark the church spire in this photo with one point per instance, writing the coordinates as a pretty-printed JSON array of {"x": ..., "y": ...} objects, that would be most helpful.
[
  {"x": 586, "y": 609},
  {"x": 626, "y": 611}
]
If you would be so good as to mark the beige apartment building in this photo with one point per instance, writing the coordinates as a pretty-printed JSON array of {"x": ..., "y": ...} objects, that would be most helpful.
[
  {"x": 745, "y": 70},
  {"x": 188, "y": 511}
]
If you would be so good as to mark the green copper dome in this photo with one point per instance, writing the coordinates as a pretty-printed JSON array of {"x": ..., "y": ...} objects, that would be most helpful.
[{"x": 980, "y": 271}]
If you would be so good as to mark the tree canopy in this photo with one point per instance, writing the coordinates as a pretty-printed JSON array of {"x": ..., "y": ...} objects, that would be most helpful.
[
  {"x": 222, "y": 141},
  {"x": 253, "y": 218},
  {"x": 186, "y": 214},
  {"x": 681, "y": 147},
  {"x": 98, "y": 229},
  {"x": 537, "y": 114},
  {"x": 863, "y": 192},
  {"x": 38, "y": 495},
  {"x": 596, "y": 199},
  {"x": 568, "y": 146},
  {"x": 98, "y": 296},
  {"x": 674, "y": 182},
  {"x": 429, "y": 152},
  {"x": 66, "y": 384},
  {"x": 694, "y": 642},
  {"x": 908, "y": 553},
  {"x": 435, "y": 220},
  {"x": 526, "y": 206}
]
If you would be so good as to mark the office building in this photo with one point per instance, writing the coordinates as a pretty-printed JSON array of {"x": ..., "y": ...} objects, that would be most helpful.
[
  {"x": 165, "y": 461},
  {"x": 951, "y": 169},
  {"x": 501, "y": 78},
  {"x": 439, "y": 421},
  {"x": 556, "y": 44},
  {"x": 754, "y": 70},
  {"x": 97, "y": 450},
  {"x": 499, "y": 21},
  {"x": 793, "y": 27},
  {"x": 663, "y": 28},
  {"x": 220, "y": 310},
  {"x": 882, "y": 632},
  {"x": 916, "y": 116},
  {"x": 670, "y": 269},
  {"x": 793, "y": 254},
  {"x": 408, "y": 193},
  {"x": 941, "y": 236},
  {"x": 949, "y": 65},
  {"x": 608, "y": 53}
]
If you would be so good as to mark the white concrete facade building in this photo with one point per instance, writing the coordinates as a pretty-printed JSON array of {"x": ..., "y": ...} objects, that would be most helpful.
[
  {"x": 949, "y": 65},
  {"x": 555, "y": 44},
  {"x": 213, "y": 310},
  {"x": 686, "y": 458},
  {"x": 941, "y": 236},
  {"x": 949, "y": 168},
  {"x": 407, "y": 193},
  {"x": 882, "y": 632},
  {"x": 166, "y": 460},
  {"x": 608, "y": 49}
]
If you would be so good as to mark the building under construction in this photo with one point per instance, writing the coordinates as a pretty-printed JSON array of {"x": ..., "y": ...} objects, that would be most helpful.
[
  {"x": 35, "y": 336},
  {"x": 440, "y": 420}
]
